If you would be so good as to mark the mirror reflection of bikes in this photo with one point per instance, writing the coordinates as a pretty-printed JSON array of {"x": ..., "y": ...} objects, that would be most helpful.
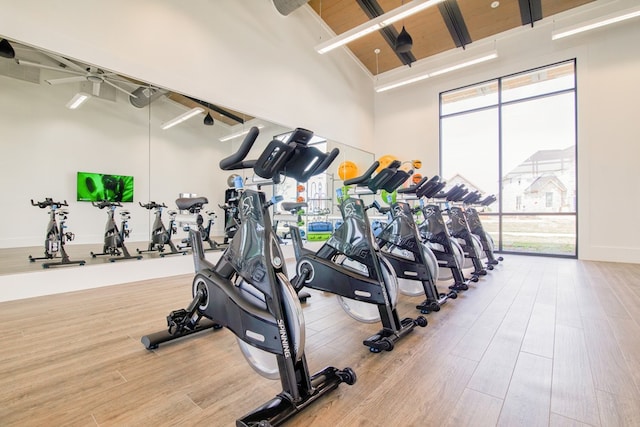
[{"x": 55, "y": 236}]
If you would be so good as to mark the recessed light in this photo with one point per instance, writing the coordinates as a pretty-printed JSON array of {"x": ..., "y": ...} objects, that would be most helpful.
[{"x": 495, "y": 4}]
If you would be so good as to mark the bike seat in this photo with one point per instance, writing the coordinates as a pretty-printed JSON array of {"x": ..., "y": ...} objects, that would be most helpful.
[
  {"x": 290, "y": 206},
  {"x": 191, "y": 204}
]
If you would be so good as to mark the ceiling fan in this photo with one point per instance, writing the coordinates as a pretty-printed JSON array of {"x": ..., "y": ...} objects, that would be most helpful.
[{"x": 80, "y": 73}]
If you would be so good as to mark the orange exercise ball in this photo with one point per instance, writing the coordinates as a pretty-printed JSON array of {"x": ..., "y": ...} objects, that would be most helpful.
[
  {"x": 416, "y": 178},
  {"x": 417, "y": 164},
  {"x": 385, "y": 161},
  {"x": 347, "y": 170}
]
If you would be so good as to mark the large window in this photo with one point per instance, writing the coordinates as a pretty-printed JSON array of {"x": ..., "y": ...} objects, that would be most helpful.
[{"x": 515, "y": 137}]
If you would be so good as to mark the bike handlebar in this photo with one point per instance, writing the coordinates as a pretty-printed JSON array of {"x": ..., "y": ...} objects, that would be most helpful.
[
  {"x": 105, "y": 204},
  {"x": 48, "y": 201},
  {"x": 152, "y": 205},
  {"x": 292, "y": 158},
  {"x": 412, "y": 189},
  {"x": 236, "y": 160},
  {"x": 365, "y": 176}
]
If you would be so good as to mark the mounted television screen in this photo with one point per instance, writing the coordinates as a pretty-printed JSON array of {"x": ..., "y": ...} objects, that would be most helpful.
[{"x": 95, "y": 187}]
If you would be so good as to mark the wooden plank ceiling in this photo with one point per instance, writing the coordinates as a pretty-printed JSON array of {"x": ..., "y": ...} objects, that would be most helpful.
[{"x": 450, "y": 25}]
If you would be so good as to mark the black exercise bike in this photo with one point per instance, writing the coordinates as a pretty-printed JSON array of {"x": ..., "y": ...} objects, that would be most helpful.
[
  {"x": 248, "y": 291},
  {"x": 435, "y": 234},
  {"x": 459, "y": 229},
  {"x": 55, "y": 237},
  {"x": 415, "y": 264},
  {"x": 475, "y": 225},
  {"x": 351, "y": 266},
  {"x": 113, "y": 236},
  {"x": 194, "y": 206},
  {"x": 161, "y": 235}
]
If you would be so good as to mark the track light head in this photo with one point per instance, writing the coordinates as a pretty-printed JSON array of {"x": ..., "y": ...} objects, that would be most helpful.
[{"x": 208, "y": 120}]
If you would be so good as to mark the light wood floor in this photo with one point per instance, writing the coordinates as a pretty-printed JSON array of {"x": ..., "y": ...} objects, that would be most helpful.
[{"x": 538, "y": 342}]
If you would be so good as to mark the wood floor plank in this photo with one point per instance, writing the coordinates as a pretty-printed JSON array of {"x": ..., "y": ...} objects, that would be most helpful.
[
  {"x": 607, "y": 283},
  {"x": 608, "y": 365},
  {"x": 625, "y": 330},
  {"x": 496, "y": 367},
  {"x": 483, "y": 328},
  {"x": 618, "y": 410},
  {"x": 475, "y": 409},
  {"x": 540, "y": 335},
  {"x": 560, "y": 421},
  {"x": 529, "y": 396},
  {"x": 573, "y": 393},
  {"x": 569, "y": 314}
]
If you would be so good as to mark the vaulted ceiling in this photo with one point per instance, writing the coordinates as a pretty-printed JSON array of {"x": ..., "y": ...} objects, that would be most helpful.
[{"x": 449, "y": 25}]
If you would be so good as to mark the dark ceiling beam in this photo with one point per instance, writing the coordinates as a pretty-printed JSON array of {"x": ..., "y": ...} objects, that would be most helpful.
[
  {"x": 218, "y": 110},
  {"x": 530, "y": 11},
  {"x": 372, "y": 9},
  {"x": 454, "y": 21}
]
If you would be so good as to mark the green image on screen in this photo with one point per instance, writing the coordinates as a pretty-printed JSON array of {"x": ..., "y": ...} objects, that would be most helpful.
[{"x": 96, "y": 187}]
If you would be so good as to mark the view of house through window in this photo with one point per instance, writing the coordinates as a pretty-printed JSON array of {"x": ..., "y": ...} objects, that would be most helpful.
[{"x": 515, "y": 137}]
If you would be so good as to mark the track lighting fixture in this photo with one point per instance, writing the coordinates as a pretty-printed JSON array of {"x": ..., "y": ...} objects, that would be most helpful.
[
  {"x": 208, "y": 120},
  {"x": 77, "y": 100},
  {"x": 597, "y": 23},
  {"x": 181, "y": 118},
  {"x": 238, "y": 134},
  {"x": 404, "y": 11},
  {"x": 387, "y": 85}
]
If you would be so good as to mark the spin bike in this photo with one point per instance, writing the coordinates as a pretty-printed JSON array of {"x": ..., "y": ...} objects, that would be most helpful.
[
  {"x": 475, "y": 225},
  {"x": 351, "y": 266},
  {"x": 160, "y": 235},
  {"x": 248, "y": 292},
  {"x": 415, "y": 264},
  {"x": 435, "y": 234},
  {"x": 460, "y": 230},
  {"x": 55, "y": 237},
  {"x": 113, "y": 237},
  {"x": 194, "y": 206}
]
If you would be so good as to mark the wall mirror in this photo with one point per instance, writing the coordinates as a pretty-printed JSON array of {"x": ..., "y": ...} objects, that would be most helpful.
[{"x": 46, "y": 143}]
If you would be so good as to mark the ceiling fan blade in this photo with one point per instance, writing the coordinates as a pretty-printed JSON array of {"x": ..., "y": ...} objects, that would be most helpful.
[
  {"x": 96, "y": 88},
  {"x": 64, "y": 80},
  {"x": 119, "y": 88},
  {"x": 48, "y": 67},
  {"x": 72, "y": 65}
]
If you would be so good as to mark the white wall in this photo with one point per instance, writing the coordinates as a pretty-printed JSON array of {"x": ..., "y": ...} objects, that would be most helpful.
[
  {"x": 241, "y": 54},
  {"x": 608, "y": 66},
  {"x": 45, "y": 144}
]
